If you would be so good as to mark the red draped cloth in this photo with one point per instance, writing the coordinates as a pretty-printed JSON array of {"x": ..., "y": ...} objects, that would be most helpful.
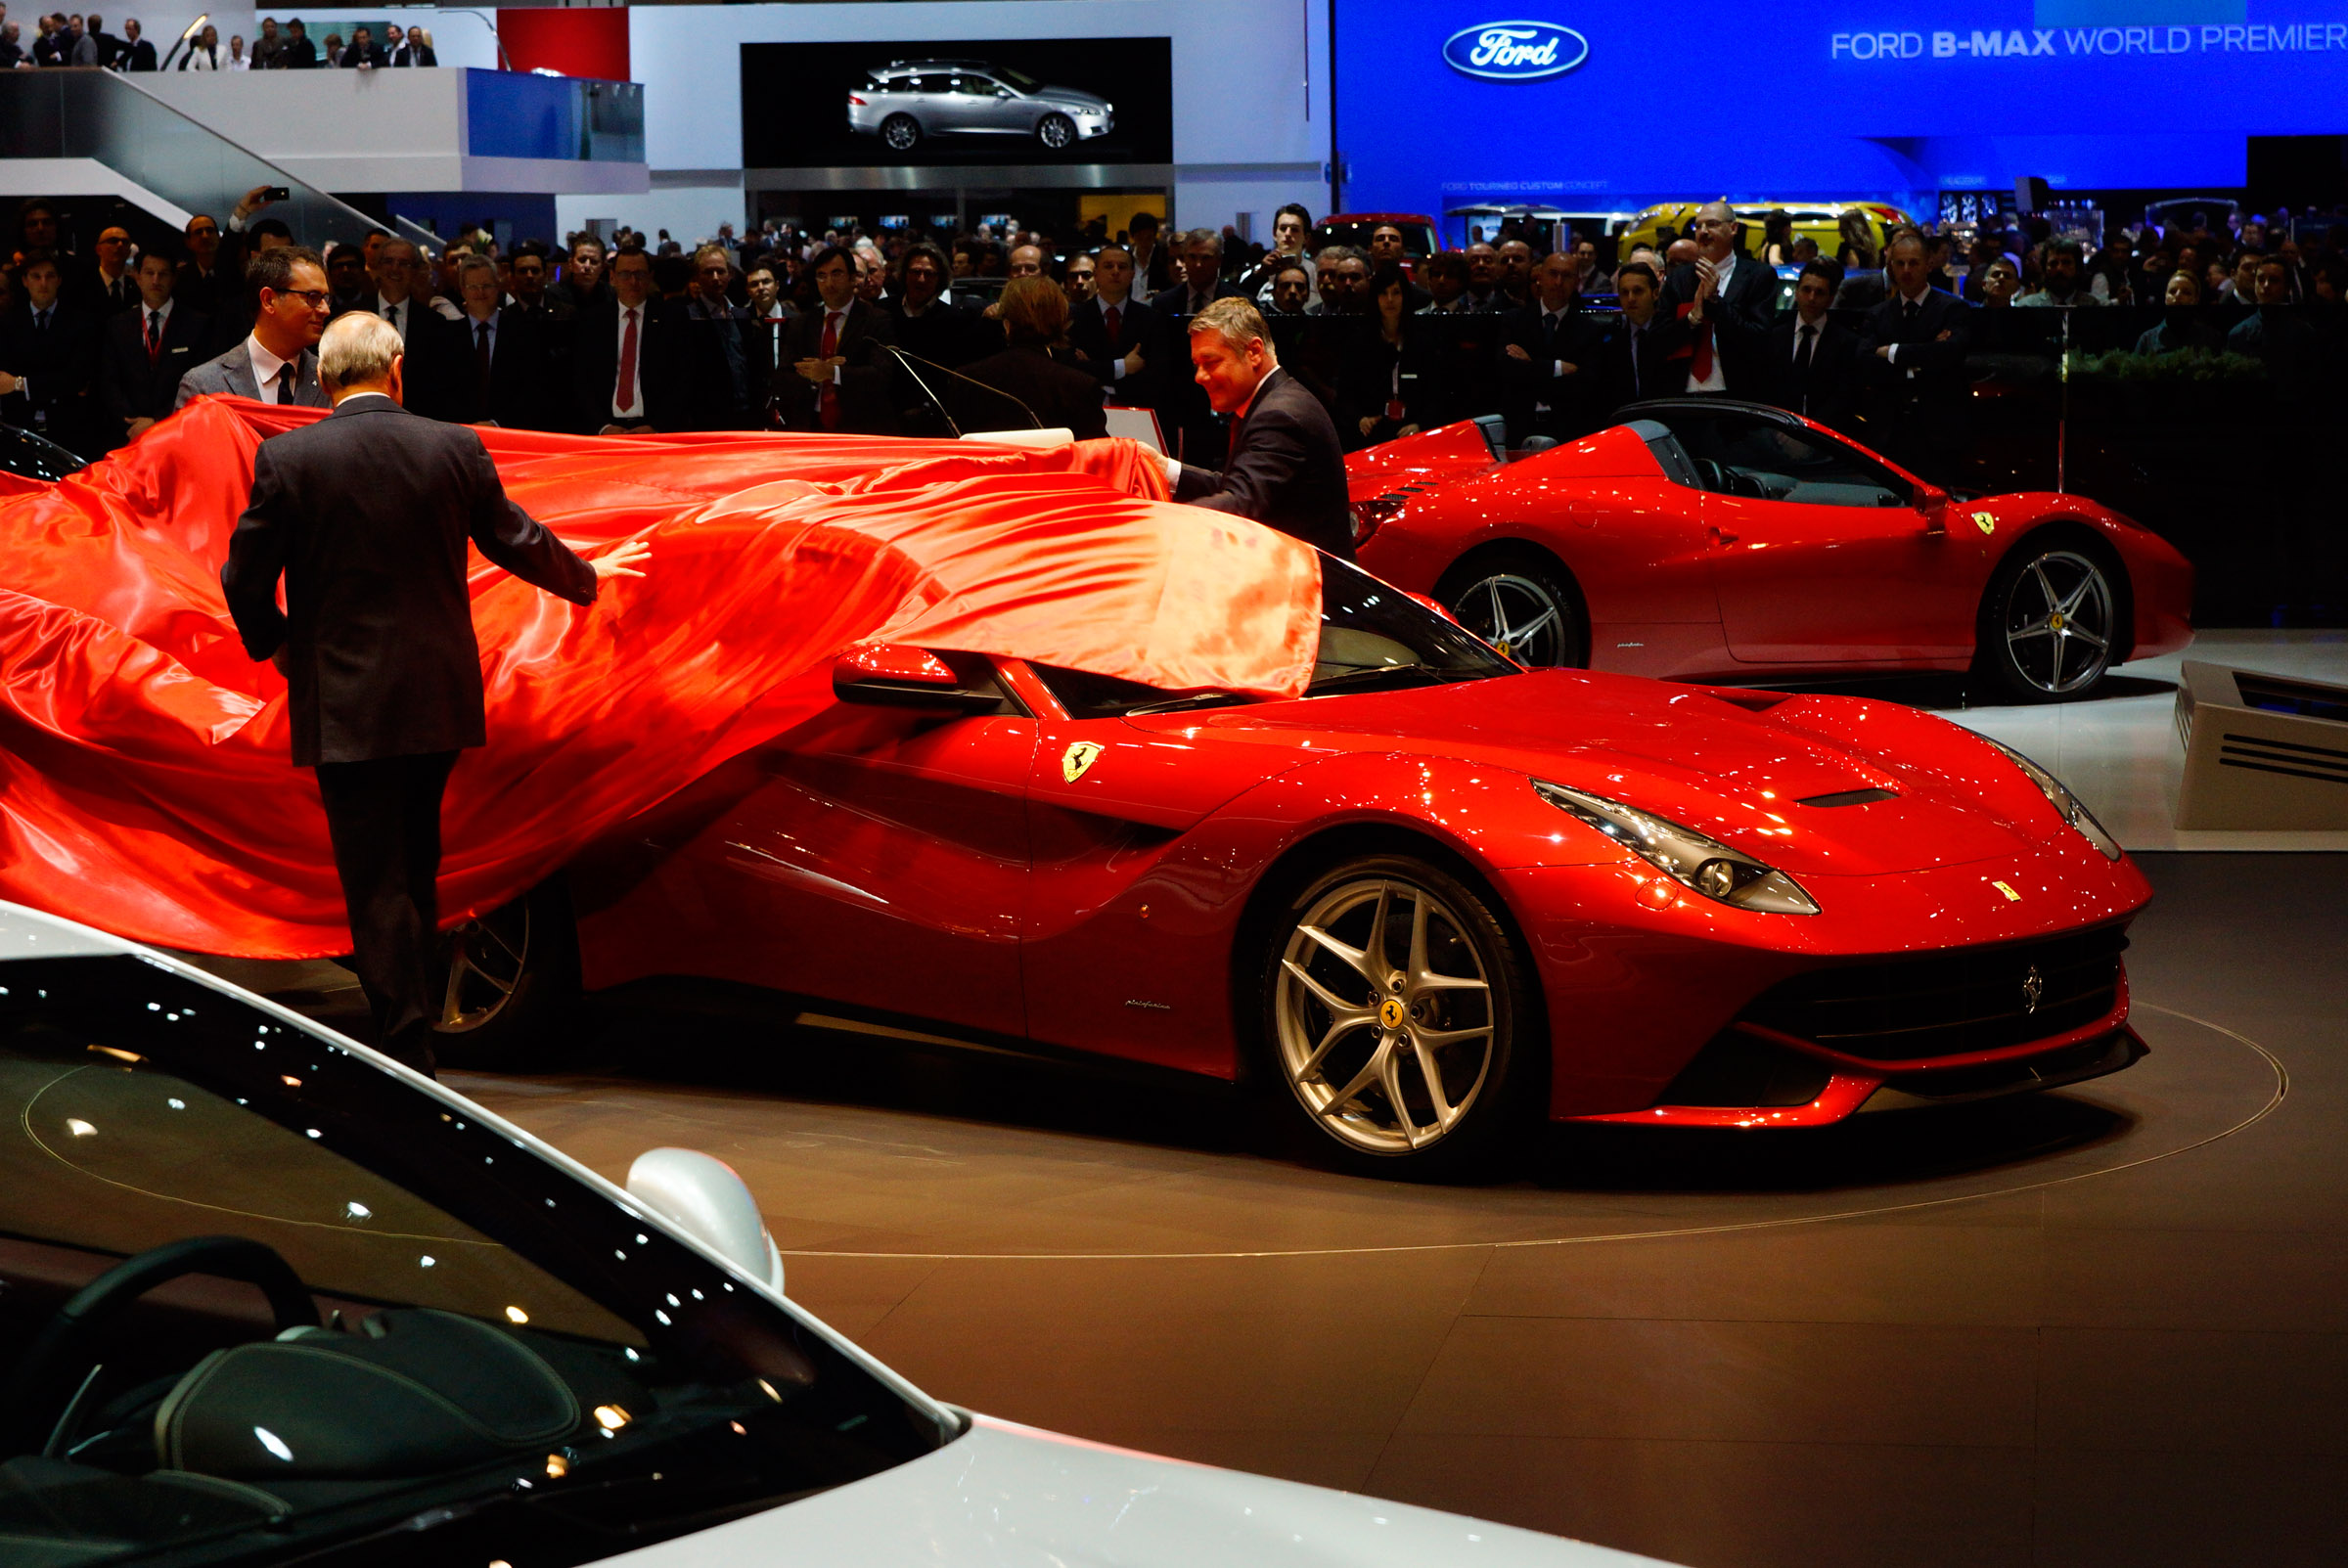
[{"x": 144, "y": 780}]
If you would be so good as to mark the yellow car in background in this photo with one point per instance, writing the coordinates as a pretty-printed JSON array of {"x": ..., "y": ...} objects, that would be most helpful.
[{"x": 1817, "y": 220}]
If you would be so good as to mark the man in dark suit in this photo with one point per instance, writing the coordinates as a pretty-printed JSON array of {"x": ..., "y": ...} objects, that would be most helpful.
[
  {"x": 1638, "y": 359},
  {"x": 504, "y": 355},
  {"x": 1190, "y": 420},
  {"x": 724, "y": 331},
  {"x": 1816, "y": 358},
  {"x": 1918, "y": 340},
  {"x": 1113, "y": 333},
  {"x": 1729, "y": 300},
  {"x": 366, "y": 515},
  {"x": 1549, "y": 358},
  {"x": 278, "y": 361},
  {"x": 1286, "y": 469},
  {"x": 360, "y": 53},
  {"x": 633, "y": 366},
  {"x": 48, "y": 351},
  {"x": 109, "y": 286},
  {"x": 146, "y": 352},
  {"x": 135, "y": 52},
  {"x": 1153, "y": 268},
  {"x": 835, "y": 371},
  {"x": 1038, "y": 389},
  {"x": 924, "y": 321}
]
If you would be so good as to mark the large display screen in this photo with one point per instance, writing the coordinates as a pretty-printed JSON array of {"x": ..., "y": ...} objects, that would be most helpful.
[
  {"x": 958, "y": 101},
  {"x": 1442, "y": 102}
]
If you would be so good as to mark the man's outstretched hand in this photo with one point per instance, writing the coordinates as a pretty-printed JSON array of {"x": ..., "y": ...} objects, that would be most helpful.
[{"x": 622, "y": 559}]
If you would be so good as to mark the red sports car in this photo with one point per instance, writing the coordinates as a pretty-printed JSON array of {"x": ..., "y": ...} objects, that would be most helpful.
[
  {"x": 1704, "y": 539},
  {"x": 1435, "y": 897}
]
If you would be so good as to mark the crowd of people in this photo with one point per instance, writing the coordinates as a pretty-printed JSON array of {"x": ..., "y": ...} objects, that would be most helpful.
[
  {"x": 781, "y": 328},
  {"x": 69, "y": 38}
]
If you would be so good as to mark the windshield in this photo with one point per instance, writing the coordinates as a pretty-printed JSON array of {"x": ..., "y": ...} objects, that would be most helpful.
[
  {"x": 1374, "y": 637},
  {"x": 483, "y": 1346},
  {"x": 1019, "y": 79}
]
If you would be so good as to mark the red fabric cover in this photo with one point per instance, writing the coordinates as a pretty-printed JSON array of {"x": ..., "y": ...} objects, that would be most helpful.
[{"x": 144, "y": 780}]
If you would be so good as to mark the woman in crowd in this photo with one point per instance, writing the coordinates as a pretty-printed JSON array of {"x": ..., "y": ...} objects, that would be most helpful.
[
  {"x": 1034, "y": 313},
  {"x": 2181, "y": 329},
  {"x": 208, "y": 55},
  {"x": 1859, "y": 251},
  {"x": 1776, "y": 237},
  {"x": 1386, "y": 384}
]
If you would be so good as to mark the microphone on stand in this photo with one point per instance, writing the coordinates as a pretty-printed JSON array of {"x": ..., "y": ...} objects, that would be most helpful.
[{"x": 909, "y": 359}]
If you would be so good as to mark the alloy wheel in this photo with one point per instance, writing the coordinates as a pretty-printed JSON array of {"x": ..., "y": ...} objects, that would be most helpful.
[
  {"x": 2057, "y": 622},
  {"x": 900, "y": 133},
  {"x": 1055, "y": 132},
  {"x": 1383, "y": 1015},
  {"x": 487, "y": 959},
  {"x": 1517, "y": 615}
]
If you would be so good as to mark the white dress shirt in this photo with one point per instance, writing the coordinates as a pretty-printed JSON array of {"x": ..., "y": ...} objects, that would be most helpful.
[
  {"x": 1717, "y": 380},
  {"x": 265, "y": 366},
  {"x": 406, "y": 309}
]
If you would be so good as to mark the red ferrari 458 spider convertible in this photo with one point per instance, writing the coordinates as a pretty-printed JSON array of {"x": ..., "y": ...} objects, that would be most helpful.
[
  {"x": 1435, "y": 897},
  {"x": 1704, "y": 539}
]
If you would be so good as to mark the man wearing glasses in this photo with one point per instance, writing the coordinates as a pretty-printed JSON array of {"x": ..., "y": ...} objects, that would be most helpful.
[
  {"x": 278, "y": 363},
  {"x": 1728, "y": 302}
]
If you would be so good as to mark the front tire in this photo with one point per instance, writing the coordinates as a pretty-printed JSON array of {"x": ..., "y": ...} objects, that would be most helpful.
[
  {"x": 2050, "y": 621},
  {"x": 1057, "y": 132},
  {"x": 513, "y": 982},
  {"x": 1397, "y": 1011},
  {"x": 1521, "y": 606},
  {"x": 900, "y": 133}
]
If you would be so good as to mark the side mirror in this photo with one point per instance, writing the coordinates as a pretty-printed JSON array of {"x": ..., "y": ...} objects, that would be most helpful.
[
  {"x": 703, "y": 1197},
  {"x": 892, "y": 675},
  {"x": 1934, "y": 503}
]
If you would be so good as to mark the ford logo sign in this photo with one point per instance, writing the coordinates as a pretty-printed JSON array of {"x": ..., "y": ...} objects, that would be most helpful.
[{"x": 1515, "y": 51}]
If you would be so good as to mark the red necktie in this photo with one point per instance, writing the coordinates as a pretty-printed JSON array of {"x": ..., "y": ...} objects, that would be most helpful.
[
  {"x": 1114, "y": 317},
  {"x": 829, "y": 399},
  {"x": 155, "y": 335},
  {"x": 625, "y": 396},
  {"x": 1699, "y": 370}
]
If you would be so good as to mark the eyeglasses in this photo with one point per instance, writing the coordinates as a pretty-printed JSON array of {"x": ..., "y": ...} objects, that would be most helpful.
[{"x": 315, "y": 299}]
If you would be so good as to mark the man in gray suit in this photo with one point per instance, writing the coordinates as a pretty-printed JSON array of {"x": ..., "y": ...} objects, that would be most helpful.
[{"x": 278, "y": 363}]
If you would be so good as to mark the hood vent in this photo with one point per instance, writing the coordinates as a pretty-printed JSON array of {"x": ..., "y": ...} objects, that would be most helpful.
[{"x": 1850, "y": 797}]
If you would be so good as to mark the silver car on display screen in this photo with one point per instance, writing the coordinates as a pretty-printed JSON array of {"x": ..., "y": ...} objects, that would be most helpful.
[
  {"x": 907, "y": 101},
  {"x": 266, "y": 1297}
]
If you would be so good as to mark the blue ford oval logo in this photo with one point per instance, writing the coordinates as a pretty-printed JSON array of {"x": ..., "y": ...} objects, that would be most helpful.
[{"x": 1515, "y": 51}]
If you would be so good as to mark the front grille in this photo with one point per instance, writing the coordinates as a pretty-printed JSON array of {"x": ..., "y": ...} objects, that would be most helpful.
[{"x": 1971, "y": 999}]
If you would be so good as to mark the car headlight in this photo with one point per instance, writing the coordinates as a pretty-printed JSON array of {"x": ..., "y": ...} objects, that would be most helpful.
[
  {"x": 2072, "y": 809},
  {"x": 1686, "y": 856}
]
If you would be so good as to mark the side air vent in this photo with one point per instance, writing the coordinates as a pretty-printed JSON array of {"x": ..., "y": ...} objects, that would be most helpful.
[{"x": 1849, "y": 797}]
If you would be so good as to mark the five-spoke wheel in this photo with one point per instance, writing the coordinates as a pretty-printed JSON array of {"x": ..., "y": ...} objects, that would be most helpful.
[
  {"x": 2052, "y": 622},
  {"x": 1394, "y": 1000},
  {"x": 1520, "y": 607}
]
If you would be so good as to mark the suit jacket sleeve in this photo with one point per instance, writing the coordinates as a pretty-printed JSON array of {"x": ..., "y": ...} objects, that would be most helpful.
[
  {"x": 511, "y": 538},
  {"x": 115, "y": 371},
  {"x": 257, "y": 556},
  {"x": 1271, "y": 454}
]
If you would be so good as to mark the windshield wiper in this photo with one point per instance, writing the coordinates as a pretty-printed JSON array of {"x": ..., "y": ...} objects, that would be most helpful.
[
  {"x": 1196, "y": 699},
  {"x": 1351, "y": 678}
]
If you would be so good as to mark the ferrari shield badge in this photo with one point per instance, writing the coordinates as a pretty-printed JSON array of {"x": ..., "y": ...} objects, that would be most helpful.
[
  {"x": 1986, "y": 521},
  {"x": 1077, "y": 758}
]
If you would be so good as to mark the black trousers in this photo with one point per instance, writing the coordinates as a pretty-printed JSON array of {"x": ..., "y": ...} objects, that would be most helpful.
[{"x": 384, "y": 817}]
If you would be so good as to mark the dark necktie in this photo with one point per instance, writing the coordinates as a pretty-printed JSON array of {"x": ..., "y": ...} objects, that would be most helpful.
[
  {"x": 480, "y": 355},
  {"x": 827, "y": 397},
  {"x": 391, "y": 315},
  {"x": 1909, "y": 309},
  {"x": 1807, "y": 354},
  {"x": 155, "y": 335},
  {"x": 40, "y": 320},
  {"x": 1114, "y": 318},
  {"x": 285, "y": 382},
  {"x": 1549, "y": 331}
]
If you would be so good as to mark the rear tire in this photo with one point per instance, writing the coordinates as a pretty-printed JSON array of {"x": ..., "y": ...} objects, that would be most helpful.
[
  {"x": 2050, "y": 621},
  {"x": 1396, "y": 1009},
  {"x": 900, "y": 133},
  {"x": 1522, "y": 606},
  {"x": 513, "y": 983}
]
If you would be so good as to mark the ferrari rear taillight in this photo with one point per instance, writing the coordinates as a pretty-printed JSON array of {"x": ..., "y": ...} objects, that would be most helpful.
[
  {"x": 1372, "y": 513},
  {"x": 855, "y": 102}
]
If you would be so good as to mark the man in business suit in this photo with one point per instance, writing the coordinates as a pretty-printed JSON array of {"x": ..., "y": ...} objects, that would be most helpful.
[
  {"x": 1916, "y": 342},
  {"x": 278, "y": 361},
  {"x": 1638, "y": 359},
  {"x": 360, "y": 54},
  {"x": 1728, "y": 300},
  {"x": 1816, "y": 358},
  {"x": 1549, "y": 358},
  {"x": 135, "y": 52},
  {"x": 48, "y": 348},
  {"x": 1286, "y": 469},
  {"x": 505, "y": 356},
  {"x": 109, "y": 286},
  {"x": 366, "y": 515},
  {"x": 146, "y": 352},
  {"x": 1113, "y": 333},
  {"x": 834, "y": 375},
  {"x": 1190, "y": 420}
]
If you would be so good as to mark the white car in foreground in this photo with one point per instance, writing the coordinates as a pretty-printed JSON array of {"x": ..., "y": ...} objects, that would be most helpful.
[{"x": 270, "y": 1297}]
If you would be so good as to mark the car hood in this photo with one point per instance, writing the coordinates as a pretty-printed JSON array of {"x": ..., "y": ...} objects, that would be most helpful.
[
  {"x": 1070, "y": 97},
  {"x": 1011, "y": 1497},
  {"x": 1741, "y": 767}
]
